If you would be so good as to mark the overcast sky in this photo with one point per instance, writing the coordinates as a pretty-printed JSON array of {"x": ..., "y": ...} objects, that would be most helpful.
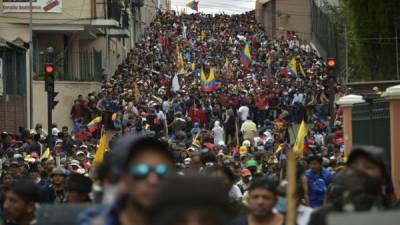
[{"x": 216, "y": 6}]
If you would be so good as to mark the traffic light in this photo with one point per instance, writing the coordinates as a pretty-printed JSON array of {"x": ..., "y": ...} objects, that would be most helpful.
[
  {"x": 53, "y": 102},
  {"x": 49, "y": 70},
  {"x": 331, "y": 63}
]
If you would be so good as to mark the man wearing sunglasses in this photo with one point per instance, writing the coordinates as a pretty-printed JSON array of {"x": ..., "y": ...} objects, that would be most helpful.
[{"x": 145, "y": 163}]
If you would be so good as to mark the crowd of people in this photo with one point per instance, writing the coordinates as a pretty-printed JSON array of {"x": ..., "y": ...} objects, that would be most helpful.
[{"x": 173, "y": 140}]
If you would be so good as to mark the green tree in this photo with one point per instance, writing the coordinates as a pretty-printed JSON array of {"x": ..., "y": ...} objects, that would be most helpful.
[{"x": 371, "y": 35}]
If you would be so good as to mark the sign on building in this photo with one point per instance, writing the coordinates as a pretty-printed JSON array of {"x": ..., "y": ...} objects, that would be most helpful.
[{"x": 38, "y": 6}]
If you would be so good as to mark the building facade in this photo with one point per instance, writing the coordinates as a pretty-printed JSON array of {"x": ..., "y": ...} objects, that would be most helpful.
[
  {"x": 90, "y": 38},
  {"x": 281, "y": 16}
]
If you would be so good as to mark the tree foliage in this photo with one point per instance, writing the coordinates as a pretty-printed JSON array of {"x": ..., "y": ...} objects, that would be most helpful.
[{"x": 372, "y": 37}]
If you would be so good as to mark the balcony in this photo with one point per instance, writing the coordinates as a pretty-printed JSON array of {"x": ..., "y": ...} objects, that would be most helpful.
[
  {"x": 104, "y": 23},
  {"x": 137, "y": 3}
]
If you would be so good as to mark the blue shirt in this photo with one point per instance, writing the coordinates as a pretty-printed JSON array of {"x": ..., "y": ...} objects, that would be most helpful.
[{"x": 317, "y": 186}]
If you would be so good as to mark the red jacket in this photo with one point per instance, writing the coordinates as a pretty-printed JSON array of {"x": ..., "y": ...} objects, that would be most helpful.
[
  {"x": 235, "y": 101},
  {"x": 224, "y": 101},
  {"x": 261, "y": 102},
  {"x": 197, "y": 115}
]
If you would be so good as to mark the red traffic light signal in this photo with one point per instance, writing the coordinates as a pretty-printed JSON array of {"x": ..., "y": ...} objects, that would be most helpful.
[
  {"x": 49, "y": 68},
  {"x": 331, "y": 62}
]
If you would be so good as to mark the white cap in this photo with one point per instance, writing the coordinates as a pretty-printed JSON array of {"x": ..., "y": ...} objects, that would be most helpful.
[
  {"x": 75, "y": 163},
  {"x": 80, "y": 153},
  {"x": 187, "y": 161},
  {"x": 55, "y": 131},
  {"x": 246, "y": 143}
]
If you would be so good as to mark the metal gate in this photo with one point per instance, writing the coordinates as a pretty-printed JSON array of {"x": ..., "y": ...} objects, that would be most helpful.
[{"x": 371, "y": 124}]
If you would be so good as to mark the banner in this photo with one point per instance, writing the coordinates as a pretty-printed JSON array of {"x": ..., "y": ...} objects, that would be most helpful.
[{"x": 38, "y": 6}]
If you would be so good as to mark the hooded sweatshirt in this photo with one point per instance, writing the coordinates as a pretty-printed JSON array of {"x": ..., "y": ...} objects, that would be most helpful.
[{"x": 218, "y": 133}]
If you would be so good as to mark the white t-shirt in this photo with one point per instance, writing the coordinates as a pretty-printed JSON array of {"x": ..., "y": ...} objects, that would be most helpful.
[
  {"x": 244, "y": 112},
  {"x": 235, "y": 192}
]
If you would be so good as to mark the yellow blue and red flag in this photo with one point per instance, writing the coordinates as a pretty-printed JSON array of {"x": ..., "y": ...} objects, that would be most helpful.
[
  {"x": 94, "y": 124},
  {"x": 245, "y": 57},
  {"x": 193, "y": 5},
  {"x": 207, "y": 84}
]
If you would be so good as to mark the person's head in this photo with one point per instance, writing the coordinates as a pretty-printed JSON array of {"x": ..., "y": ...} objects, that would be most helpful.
[
  {"x": 252, "y": 165},
  {"x": 50, "y": 164},
  {"x": 15, "y": 169},
  {"x": 147, "y": 161},
  {"x": 246, "y": 175},
  {"x": 65, "y": 130},
  {"x": 19, "y": 204},
  {"x": 77, "y": 188},
  {"x": 315, "y": 162},
  {"x": 191, "y": 201},
  {"x": 58, "y": 177},
  {"x": 38, "y": 127},
  {"x": 33, "y": 172},
  {"x": 226, "y": 174},
  {"x": 262, "y": 198},
  {"x": 7, "y": 180},
  {"x": 368, "y": 159},
  {"x": 81, "y": 156}
]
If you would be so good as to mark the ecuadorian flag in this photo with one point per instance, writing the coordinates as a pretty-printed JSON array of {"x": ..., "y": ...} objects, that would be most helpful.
[
  {"x": 292, "y": 68},
  {"x": 193, "y": 5},
  {"x": 207, "y": 84},
  {"x": 94, "y": 124},
  {"x": 245, "y": 56}
]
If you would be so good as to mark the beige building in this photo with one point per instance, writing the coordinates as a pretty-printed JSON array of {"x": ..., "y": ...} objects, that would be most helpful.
[
  {"x": 280, "y": 16},
  {"x": 89, "y": 37}
]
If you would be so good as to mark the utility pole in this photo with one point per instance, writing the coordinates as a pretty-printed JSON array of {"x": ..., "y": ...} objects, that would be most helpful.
[
  {"x": 30, "y": 66},
  {"x": 397, "y": 52},
  {"x": 49, "y": 70},
  {"x": 347, "y": 53}
]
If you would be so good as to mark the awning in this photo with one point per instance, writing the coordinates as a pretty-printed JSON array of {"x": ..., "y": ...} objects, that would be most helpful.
[
  {"x": 118, "y": 33},
  {"x": 263, "y": 1},
  {"x": 16, "y": 43}
]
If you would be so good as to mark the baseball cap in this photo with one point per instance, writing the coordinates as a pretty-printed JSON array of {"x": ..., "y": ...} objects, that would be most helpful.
[
  {"x": 243, "y": 150},
  {"x": 58, "y": 171},
  {"x": 78, "y": 182},
  {"x": 251, "y": 163},
  {"x": 75, "y": 163},
  {"x": 84, "y": 146},
  {"x": 245, "y": 172},
  {"x": 80, "y": 153}
]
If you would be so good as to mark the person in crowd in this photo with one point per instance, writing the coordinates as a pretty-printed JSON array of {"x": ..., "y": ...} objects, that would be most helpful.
[
  {"x": 146, "y": 161},
  {"x": 315, "y": 182},
  {"x": 19, "y": 204},
  {"x": 55, "y": 192},
  {"x": 218, "y": 133},
  {"x": 262, "y": 198},
  {"x": 77, "y": 188},
  {"x": 200, "y": 205}
]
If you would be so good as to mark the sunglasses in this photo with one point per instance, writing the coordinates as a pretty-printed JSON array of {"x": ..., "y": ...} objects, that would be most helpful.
[{"x": 141, "y": 171}]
